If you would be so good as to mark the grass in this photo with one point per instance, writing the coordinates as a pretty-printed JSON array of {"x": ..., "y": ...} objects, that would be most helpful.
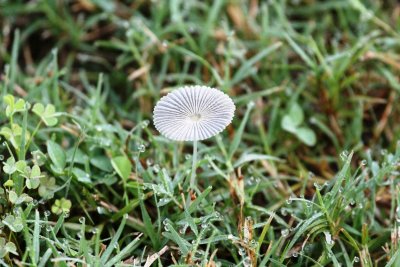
[{"x": 306, "y": 175}]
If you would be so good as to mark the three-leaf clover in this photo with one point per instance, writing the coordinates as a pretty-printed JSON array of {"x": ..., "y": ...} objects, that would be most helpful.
[
  {"x": 61, "y": 206},
  {"x": 9, "y": 166},
  {"x": 32, "y": 175},
  {"x": 14, "y": 223},
  {"x": 47, "y": 187},
  {"x": 12, "y": 106},
  {"x": 14, "y": 135},
  {"x": 292, "y": 122},
  {"x": 47, "y": 114},
  {"x": 15, "y": 199}
]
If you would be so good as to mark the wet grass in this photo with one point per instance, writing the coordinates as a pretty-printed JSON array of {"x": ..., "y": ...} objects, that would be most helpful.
[{"x": 306, "y": 175}]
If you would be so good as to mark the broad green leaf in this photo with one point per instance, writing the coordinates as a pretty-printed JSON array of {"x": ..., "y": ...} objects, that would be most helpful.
[
  {"x": 101, "y": 162},
  {"x": 296, "y": 114},
  {"x": 81, "y": 175},
  {"x": 57, "y": 156},
  {"x": 288, "y": 124},
  {"x": 122, "y": 166},
  {"x": 306, "y": 135}
]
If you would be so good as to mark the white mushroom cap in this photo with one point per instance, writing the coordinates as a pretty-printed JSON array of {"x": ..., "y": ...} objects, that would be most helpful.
[{"x": 193, "y": 113}]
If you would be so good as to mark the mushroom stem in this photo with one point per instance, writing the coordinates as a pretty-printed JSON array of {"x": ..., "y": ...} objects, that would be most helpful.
[{"x": 194, "y": 162}]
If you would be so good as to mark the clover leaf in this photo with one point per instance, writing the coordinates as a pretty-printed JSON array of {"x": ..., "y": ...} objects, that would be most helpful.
[
  {"x": 61, "y": 206},
  {"x": 47, "y": 114},
  {"x": 32, "y": 175},
  {"x": 12, "y": 106},
  {"x": 47, "y": 187},
  {"x": 292, "y": 123},
  {"x": 14, "y": 223},
  {"x": 14, "y": 135},
  {"x": 9, "y": 166},
  {"x": 7, "y": 247},
  {"x": 33, "y": 178},
  {"x": 15, "y": 199}
]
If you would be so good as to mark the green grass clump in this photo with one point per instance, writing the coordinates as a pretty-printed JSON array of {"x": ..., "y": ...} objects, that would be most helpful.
[{"x": 306, "y": 175}]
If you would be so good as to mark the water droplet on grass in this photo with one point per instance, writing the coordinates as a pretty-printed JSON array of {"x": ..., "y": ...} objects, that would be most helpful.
[
  {"x": 156, "y": 168},
  {"x": 82, "y": 219},
  {"x": 149, "y": 161},
  {"x": 317, "y": 186},
  {"x": 344, "y": 155},
  {"x": 141, "y": 148},
  {"x": 145, "y": 123},
  {"x": 285, "y": 232}
]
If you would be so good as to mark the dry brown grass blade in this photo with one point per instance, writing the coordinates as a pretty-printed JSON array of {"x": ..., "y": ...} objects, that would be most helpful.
[{"x": 155, "y": 256}]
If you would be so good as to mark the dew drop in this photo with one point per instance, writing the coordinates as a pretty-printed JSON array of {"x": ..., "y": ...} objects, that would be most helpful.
[
  {"x": 100, "y": 210},
  {"x": 283, "y": 212},
  {"x": 141, "y": 148},
  {"x": 250, "y": 104},
  {"x": 247, "y": 262},
  {"x": 295, "y": 254},
  {"x": 317, "y": 186},
  {"x": 82, "y": 219},
  {"x": 289, "y": 201},
  {"x": 344, "y": 155},
  {"x": 145, "y": 123},
  {"x": 149, "y": 161},
  {"x": 356, "y": 259},
  {"x": 167, "y": 227},
  {"x": 1, "y": 157},
  {"x": 241, "y": 251},
  {"x": 156, "y": 168},
  {"x": 285, "y": 232}
]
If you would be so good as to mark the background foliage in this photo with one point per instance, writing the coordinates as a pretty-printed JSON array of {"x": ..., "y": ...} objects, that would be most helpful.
[{"x": 306, "y": 175}]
